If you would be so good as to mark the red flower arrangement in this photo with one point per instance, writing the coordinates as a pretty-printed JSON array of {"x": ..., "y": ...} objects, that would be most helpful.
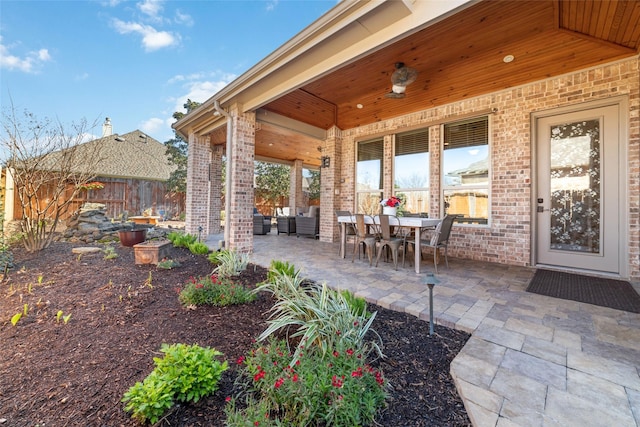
[{"x": 392, "y": 202}]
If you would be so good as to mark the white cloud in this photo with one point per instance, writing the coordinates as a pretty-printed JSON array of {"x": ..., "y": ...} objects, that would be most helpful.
[
  {"x": 153, "y": 125},
  {"x": 152, "y": 39},
  {"x": 200, "y": 91},
  {"x": 83, "y": 76},
  {"x": 28, "y": 63},
  {"x": 272, "y": 4},
  {"x": 183, "y": 18},
  {"x": 151, "y": 8}
]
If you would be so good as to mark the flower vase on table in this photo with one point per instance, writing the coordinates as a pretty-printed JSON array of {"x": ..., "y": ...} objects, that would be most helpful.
[
  {"x": 390, "y": 205},
  {"x": 389, "y": 210}
]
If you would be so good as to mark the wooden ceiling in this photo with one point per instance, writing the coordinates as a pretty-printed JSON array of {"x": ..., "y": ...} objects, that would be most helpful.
[
  {"x": 462, "y": 57},
  {"x": 458, "y": 58}
]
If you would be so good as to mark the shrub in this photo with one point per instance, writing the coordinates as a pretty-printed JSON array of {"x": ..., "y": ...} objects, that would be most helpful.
[
  {"x": 319, "y": 315},
  {"x": 198, "y": 248},
  {"x": 279, "y": 268},
  {"x": 229, "y": 263},
  {"x": 168, "y": 264},
  {"x": 185, "y": 373},
  {"x": 215, "y": 290},
  {"x": 337, "y": 388},
  {"x": 181, "y": 240}
]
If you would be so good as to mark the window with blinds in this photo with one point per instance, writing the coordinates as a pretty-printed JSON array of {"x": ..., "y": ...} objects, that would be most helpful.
[
  {"x": 465, "y": 170},
  {"x": 411, "y": 170},
  {"x": 369, "y": 175}
]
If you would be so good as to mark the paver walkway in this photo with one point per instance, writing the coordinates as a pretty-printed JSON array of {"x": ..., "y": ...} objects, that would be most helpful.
[{"x": 531, "y": 360}]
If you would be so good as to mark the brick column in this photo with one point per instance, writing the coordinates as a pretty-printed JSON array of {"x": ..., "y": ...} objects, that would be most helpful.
[
  {"x": 215, "y": 202},
  {"x": 329, "y": 185},
  {"x": 197, "y": 198},
  {"x": 296, "y": 198},
  {"x": 242, "y": 196}
]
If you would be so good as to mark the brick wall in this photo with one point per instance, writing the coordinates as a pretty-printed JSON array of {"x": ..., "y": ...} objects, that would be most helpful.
[{"x": 507, "y": 239}]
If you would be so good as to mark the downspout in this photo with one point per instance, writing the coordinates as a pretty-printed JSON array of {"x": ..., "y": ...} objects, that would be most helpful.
[{"x": 227, "y": 198}]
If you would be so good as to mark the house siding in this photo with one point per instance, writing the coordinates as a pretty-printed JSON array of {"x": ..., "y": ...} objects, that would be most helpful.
[{"x": 507, "y": 238}]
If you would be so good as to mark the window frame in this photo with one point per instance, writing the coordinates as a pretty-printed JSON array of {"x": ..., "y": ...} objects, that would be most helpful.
[
  {"x": 427, "y": 189},
  {"x": 376, "y": 193},
  {"x": 471, "y": 187}
]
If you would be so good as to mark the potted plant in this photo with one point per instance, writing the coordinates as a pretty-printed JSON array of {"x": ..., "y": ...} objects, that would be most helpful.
[{"x": 390, "y": 205}]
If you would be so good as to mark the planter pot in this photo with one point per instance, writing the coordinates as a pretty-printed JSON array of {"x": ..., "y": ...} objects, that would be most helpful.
[
  {"x": 132, "y": 237},
  {"x": 152, "y": 251},
  {"x": 388, "y": 210}
]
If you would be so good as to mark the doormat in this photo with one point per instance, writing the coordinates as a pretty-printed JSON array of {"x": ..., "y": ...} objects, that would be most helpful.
[{"x": 610, "y": 293}]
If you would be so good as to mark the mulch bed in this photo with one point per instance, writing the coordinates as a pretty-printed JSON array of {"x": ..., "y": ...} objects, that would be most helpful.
[{"x": 74, "y": 374}]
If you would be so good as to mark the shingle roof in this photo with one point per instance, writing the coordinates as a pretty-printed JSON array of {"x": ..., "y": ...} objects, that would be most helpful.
[{"x": 132, "y": 155}]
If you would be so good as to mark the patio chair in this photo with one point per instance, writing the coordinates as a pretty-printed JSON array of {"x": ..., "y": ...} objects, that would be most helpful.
[
  {"x": 309, "y": 224},
  {"x": 261, "y": 224},
  {"x": 349, "y": 228},
  {"x": 363, "y": 238},
  {"x": 387, "y": 240},
  {"x": 439, "y": 239}
]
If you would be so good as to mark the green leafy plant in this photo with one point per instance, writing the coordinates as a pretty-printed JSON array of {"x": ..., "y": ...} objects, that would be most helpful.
[
  {"x": 229, "y": 263},
  {"x": 214, "y": 290},
  {"x": 25, "y": 309},
  {"x": 358, "y": 304},
  {"x": 16, "y": 318},
  {"x": 181, "y": 240},
  {"x": 186, "y": 373},
  {"x": 59, "y": 315},
  {"x": 198, "y": 248},
  {"x": 110, "y": 252},
  {"x": 168, "y": 264},
  {"x": 338, "y": 388},
  {"x": 66, "y": 318},
  {"x": 279, "y": 268}
]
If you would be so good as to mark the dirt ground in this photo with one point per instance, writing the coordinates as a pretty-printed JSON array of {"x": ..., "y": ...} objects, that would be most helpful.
[{"x": 54, "y": 373}]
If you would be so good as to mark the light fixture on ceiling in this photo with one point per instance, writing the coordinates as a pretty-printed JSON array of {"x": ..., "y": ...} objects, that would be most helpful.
[
  {"x": 359, "y": 106},
  {"x": 508, "y": 58},
  {"x": 400, "y": 79}
]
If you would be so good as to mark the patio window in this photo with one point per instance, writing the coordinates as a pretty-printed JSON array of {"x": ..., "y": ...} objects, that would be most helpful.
[
  {"x": 465, "y": 170},
  {"x": 411, "y": 170},
  {"x": 369, "y": 176}
]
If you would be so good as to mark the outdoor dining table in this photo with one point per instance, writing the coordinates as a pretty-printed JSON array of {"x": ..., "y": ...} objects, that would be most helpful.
[{"x": 416, "y": 223}]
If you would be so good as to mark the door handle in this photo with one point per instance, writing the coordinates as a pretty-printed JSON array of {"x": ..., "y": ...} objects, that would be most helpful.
[{"x": 541, "y": 209}]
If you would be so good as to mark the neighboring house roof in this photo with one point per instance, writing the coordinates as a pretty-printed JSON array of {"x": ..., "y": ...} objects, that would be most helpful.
[{"x": 132, "y": 155}]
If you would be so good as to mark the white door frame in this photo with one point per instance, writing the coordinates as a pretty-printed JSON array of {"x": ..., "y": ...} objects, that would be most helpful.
[{"x": 623, "y": 207}]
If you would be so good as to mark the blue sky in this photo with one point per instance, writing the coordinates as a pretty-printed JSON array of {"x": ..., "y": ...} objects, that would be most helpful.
[{"x": 136, "y": 62}]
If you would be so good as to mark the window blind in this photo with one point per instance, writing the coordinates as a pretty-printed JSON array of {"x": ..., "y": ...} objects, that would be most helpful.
[
  {"x": 466, "y": 133},
  {"x": 370, "y": 150},
  {"x": 412, "y": 142}
]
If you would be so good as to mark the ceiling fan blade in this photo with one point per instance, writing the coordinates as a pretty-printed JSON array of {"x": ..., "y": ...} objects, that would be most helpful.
[{"x": 394, "y": 95}]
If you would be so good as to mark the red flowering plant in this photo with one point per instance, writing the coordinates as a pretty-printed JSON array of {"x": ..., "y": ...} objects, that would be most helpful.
[
  {"x": 392, "y": 202},
  {"x": 339, "y": 387}
]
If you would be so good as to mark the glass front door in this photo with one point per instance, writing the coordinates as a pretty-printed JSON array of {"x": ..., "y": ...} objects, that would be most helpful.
[{"x": 577, "y": 205}]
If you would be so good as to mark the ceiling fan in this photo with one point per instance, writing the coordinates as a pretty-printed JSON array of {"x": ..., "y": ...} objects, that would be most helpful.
[{"x": 400, "y": 78}]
